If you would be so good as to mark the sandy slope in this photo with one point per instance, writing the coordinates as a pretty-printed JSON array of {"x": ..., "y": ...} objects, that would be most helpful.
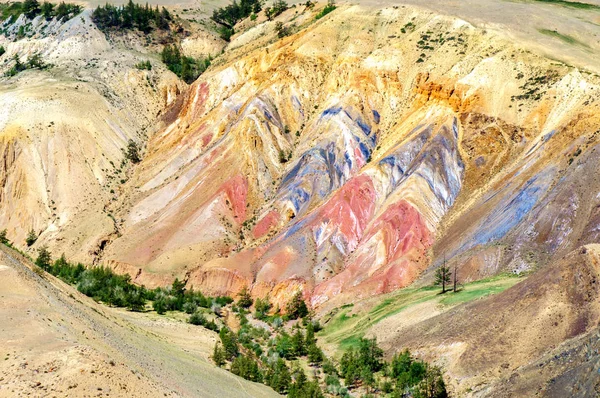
[{"x": 56, "y": 341}]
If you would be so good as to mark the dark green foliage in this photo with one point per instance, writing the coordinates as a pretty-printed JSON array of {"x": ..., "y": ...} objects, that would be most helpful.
[
  {"x": 282, "y": 31},
  {"x": 47, "y": 10},
  {"x": 65, "y": 271},
  {"x": 283, "y": 345},
  {"x": 302, "y": 388},
  {"x": 31, "y": 237},
  {"x": 197, "y": 318},
  {"x": 132, "y": 153},
  {"x": 359, "y": 365},
  {"x": 298, "y": 348},
  {"x": 131, "y": 16},
  {"x": 262, "y": 308},
  {"x": 328, "y": 8},
  {"x": 44, "y": 258},
  {"x": 296, "y": 307},
  {"x": 246, "y": 367},
  {"x": 230, "y": 344},
  {"x": 144, "y": 65},
  {"x": 278, "y": 377},
  {"x": 432, "y": 385},
  {"x": 2, "y": 51},
  {"x": 233, "y": 13},
  {"x": 315, "y": 354},
  {"x": 66, "y": 11},
  {"x": 279, "y": 6},
  {"x": 31, "y": 8},
  {"x": 102, "y": 284},
  {"x": 223, "y": 300},
  {"x": 34, "y": 62},
  {"x": 10, "y": 10},
  {"x": 187, "y": 68},
  {"x": 218, "y": 355},
  {"x": 245, "y": 300},
  {"x": 3, "y": 238},
  {"x": 225, "y": 32}
]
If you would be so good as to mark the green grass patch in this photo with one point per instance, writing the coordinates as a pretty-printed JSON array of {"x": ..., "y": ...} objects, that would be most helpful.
[
  {"x": 571, "y": 4},
  {"x": 345, "y": 328},
  {"x": 564, "y": 38}
]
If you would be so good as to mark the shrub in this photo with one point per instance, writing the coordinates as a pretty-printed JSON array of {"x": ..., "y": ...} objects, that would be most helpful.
[
  {"x": 3, "y": 239},
  {"x": 328, "y": 8},
  {"x": 279, "y": 6},
  {"x": 2, "y": 51},
  {"x": 132, "y": 152},
  {"x": 262, "y": 308},
  {"x": 198, "y": 318},
  {"x": 245, "y": 300},
  {"x": 144, "y": 65},
  {"x": 282, "y": 31},
  {"x": 31, "y": 238}
]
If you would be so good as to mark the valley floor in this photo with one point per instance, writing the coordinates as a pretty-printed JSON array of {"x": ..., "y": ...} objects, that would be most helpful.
[{"x": 57, "y": 342}]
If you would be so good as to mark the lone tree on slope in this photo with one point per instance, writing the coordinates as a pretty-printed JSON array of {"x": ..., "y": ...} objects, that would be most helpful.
[{"x": 442, "y": 276}]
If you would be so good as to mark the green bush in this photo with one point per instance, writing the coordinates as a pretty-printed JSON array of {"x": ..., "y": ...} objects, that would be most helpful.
[
  {"x": 2, "y": 51},
  {"x": 31, "y": 237},
  {"x": 3, "y": 238},
  {"x": 144, "y": 65},
  {"x": 328, "y": 8}
]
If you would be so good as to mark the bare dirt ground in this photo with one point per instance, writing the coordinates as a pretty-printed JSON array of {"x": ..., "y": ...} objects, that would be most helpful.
[{"x": 57, "y": 342}]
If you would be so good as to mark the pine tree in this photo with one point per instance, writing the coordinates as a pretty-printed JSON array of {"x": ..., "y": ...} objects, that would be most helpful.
[
  {"x": 218, "y": 355},
  {"x": 44, "y": 258},
  {"x": 47, "y": 10},
  {"x": 298, "y": 347},
  {"x": 442, "y": 277},
  {"x": 296, "y": 307}
]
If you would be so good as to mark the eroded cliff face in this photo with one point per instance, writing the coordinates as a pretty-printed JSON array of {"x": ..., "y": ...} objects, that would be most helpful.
[
  {"x": 346, "y": 159},
  {"x": 63, "y": 130}
]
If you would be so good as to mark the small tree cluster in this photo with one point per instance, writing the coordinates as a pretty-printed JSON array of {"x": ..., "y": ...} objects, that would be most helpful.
[
  {"x": 132, "y": 152},
  {"x": 33, "y": 62},
  {"x": 132, "y": 16},
  {"x": 278, "y": 7},
  {"x": 231, "y": 14},
  {"x": 187, "y": 68},
  {"x": 296, "y": 307}
]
